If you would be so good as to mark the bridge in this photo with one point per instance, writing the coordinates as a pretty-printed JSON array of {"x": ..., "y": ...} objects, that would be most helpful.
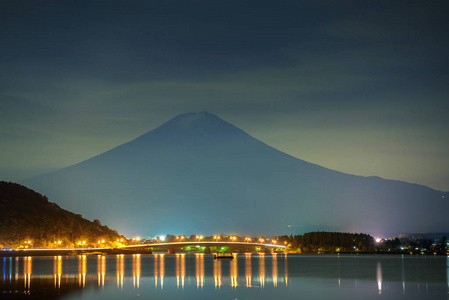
[
  {"x": 159, "y": 246},
  {"x": 169, "y": 245}
]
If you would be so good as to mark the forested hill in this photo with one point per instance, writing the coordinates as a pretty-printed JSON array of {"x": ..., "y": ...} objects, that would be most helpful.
[
  {"x": 333, "y": 242},
  {"x": 28, "y": 219}
]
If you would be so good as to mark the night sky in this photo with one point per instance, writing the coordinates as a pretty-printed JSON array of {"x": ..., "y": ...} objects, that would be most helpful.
[{"x": 360, "y": 87}]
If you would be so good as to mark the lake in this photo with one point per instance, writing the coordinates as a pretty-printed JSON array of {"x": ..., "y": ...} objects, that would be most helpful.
[{"x": 247, "y": 276}]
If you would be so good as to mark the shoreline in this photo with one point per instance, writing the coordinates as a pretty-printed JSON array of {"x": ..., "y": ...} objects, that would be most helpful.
[{"x": 74, "y": 252}]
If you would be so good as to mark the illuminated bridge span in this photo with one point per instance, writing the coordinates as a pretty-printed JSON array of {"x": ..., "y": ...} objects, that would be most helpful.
[
  {"x": 109, "y": 250},
  {"x": 199, "y": 243}
]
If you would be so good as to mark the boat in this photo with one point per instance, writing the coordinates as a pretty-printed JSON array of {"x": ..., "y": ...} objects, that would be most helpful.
[{"x": 221, "y": 255}]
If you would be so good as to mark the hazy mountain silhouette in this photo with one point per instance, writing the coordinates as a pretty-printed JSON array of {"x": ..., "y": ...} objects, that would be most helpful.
[{"x": 199, "y": 174}]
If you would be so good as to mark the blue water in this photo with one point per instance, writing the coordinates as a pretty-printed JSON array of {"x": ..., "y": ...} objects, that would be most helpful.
[{"x": 247, "y": 276}]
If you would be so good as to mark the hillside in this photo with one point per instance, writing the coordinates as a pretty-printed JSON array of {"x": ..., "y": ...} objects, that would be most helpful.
[
  {"x": 28, "y": 219},
  {"x": 198, "y": 174}
]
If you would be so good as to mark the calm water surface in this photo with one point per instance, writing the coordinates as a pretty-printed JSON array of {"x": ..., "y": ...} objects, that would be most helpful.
[{"x": 198, "y": 276}]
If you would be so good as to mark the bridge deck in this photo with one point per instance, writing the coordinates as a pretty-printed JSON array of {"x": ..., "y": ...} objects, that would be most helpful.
[{"x": 204, "y": 243}]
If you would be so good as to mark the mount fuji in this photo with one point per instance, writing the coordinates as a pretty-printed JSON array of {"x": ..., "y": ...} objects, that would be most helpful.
[{"x": 198, "y": 174}]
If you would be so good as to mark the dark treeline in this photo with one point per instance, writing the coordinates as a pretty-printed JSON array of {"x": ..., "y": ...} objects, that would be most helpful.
[
  {"x": 414, "y": 245},
  {"x": 28, "y": 220},
  {"x": 331, "y": 242}
]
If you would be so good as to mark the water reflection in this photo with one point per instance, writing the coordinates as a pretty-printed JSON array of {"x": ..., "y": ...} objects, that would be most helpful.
[
  {"x": 248, "y": 271},
  {"x": 217, "y": 273},
  {"x": 384, "y": 276},
  {"x": 262, "y": 270},
  {"x": 199, "y": 270},
  {"x": 180, "y": 269},
  {"x": 101, "y": 269},
  {"x": 285, "y": 270},
  {"x": 136, "y": 270},
  {"x": 379, "y": 277},
  {"x": 82, "y": 270},
  {"x": 159, "y": 270},
  {"x": 27, "y": 270},
  {"x": 57, "y": 271},
  {"x": 233, "y": 273},
  {"x": 120, "y": 267},
  {"x": 275, "y": 270},
  {"x": 402, "y": 274}
]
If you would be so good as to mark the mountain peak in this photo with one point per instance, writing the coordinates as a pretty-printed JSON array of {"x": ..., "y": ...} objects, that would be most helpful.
[
  {"x": 201, "y": 117},
  {"x": 203, "y": 122}
]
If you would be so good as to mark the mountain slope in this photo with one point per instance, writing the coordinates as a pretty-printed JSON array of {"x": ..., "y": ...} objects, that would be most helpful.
[
  {"x": 199, "y": 174},
  {"x": 27, "y": 215}
]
